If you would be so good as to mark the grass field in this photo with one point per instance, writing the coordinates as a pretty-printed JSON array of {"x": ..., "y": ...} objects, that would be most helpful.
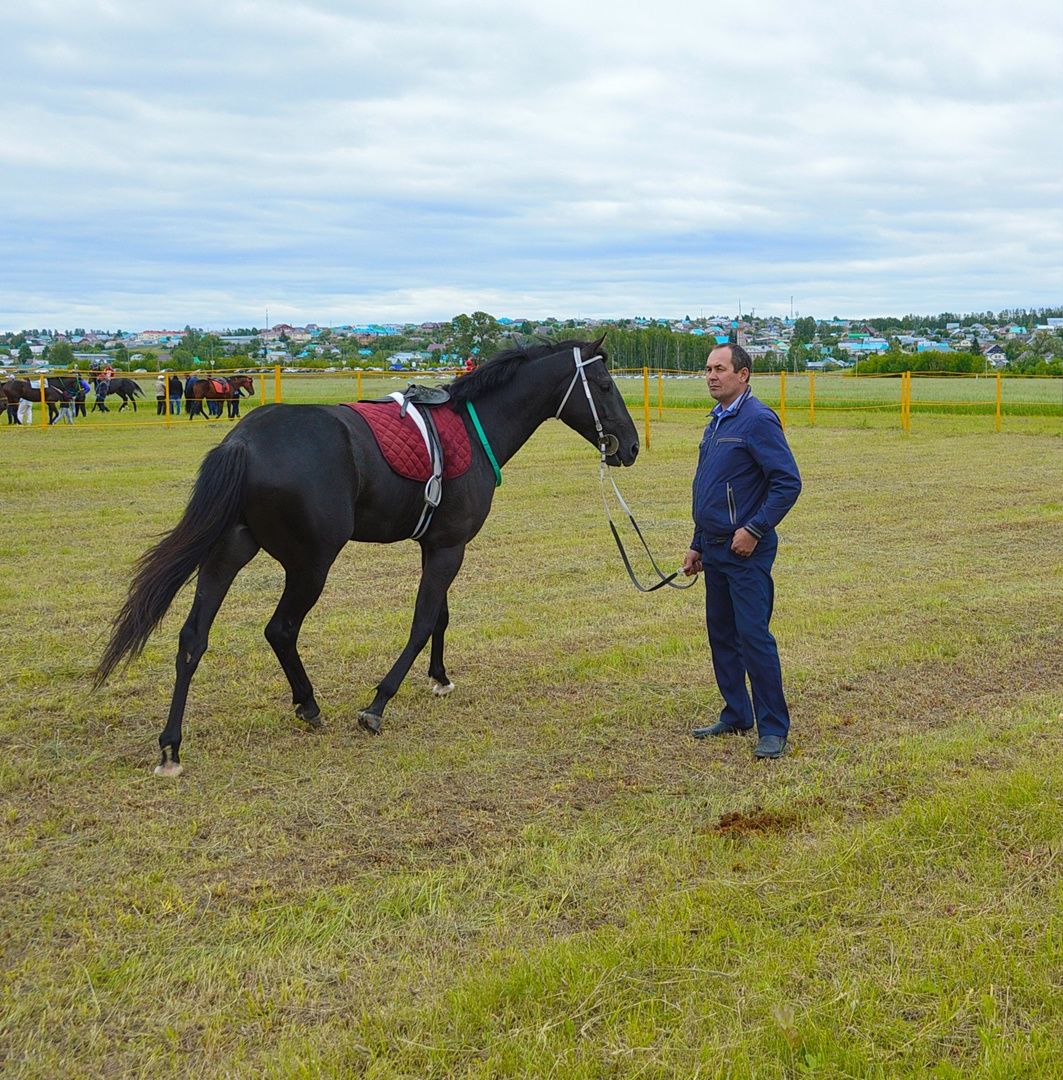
[{"x": 543, "y": 874}]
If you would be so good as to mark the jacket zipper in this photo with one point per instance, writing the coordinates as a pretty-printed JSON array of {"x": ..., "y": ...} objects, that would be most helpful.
[{"x": 731, "y": 504}]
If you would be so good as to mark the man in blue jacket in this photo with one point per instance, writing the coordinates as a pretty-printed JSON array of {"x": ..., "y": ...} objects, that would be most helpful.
[{"x": 746, "y": 482}]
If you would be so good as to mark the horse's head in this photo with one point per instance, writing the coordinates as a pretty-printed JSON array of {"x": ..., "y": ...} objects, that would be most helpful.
[{"x": 593, "y": 407}]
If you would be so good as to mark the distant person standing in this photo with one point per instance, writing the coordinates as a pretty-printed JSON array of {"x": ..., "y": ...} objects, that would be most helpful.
[
  {"x": 176, "y": 392},
  {"x": 160, "y": 394},
  {"x": 25, "y": 404},
  {"x": 79, "y": 397},
  {"x": 746, "y": 482}
]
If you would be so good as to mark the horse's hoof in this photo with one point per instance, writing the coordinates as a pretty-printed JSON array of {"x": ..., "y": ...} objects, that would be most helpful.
[
  {"x": 311, "y": 716},
  {"x": 441, "y": 689},
  {"x": 169, "y": 769},
  {"x": 370, "y": 722}
]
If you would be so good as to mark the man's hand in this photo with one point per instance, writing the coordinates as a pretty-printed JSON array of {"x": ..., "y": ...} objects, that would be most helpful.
[
  {"x": 743, "y": 542},
  {"x": 692, "y": 563}
]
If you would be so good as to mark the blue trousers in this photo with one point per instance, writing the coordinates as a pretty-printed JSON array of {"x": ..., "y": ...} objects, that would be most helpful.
[{"x": 739, "y": 596}]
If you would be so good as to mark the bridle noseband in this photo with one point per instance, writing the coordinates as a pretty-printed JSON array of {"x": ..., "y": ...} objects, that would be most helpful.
[{"x": 609, "y": 445}]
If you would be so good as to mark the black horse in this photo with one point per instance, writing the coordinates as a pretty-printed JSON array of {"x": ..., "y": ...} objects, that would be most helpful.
[
  {"x": 303, "y": 480},
  {"x": 127, "y": 389},
  {"x": 15, "y": 390}
]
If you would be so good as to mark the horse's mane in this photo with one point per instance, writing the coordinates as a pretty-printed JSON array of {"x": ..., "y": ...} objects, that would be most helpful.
[{"x": 501, "y": 369}]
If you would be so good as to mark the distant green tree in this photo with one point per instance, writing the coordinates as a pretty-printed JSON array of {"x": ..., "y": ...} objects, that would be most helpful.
[
  {"x": 476, "y": 335},
  {"x": 121, "y": 355},
  {"x": 25, "y": 353},
  {"x": 804, "y": 330},
  {"x": 60, "y": 355}
]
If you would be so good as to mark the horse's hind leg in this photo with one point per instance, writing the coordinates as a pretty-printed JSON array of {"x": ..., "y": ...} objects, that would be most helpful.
[
  {"x": 216, "y": 574},
  {"x": 302, "y": 587},
  {"x": 437, "y": 673}
]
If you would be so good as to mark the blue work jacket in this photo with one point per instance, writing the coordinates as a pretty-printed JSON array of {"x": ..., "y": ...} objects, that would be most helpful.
[{"x": 746, "y": 476}]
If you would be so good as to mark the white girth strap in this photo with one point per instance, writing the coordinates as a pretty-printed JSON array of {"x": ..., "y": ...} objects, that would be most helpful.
[{"x": 433, "y": 490}]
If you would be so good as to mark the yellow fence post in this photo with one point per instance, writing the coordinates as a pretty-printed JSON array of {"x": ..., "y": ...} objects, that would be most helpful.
[
  {"x": 44, "y": 407},
  {"x": 262, "y": 388},
  {"x": 358, "y": 380},
  {"x": 998, "y": 401},
  {"x": 166, "y": 398},
  {"x": 276, "y": 382},
  {"x": 782, "y": 396},
  {"x": 812, "y": 398},
  {"x": 660, "y": 394},
  {"x": 646, "y": 403}
]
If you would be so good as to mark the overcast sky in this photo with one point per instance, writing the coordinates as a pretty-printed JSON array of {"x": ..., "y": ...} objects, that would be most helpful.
[{"x": 167, "y": 163}]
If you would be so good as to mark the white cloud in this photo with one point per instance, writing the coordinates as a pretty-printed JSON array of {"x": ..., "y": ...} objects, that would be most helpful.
[{"x": 192, "y": 162}]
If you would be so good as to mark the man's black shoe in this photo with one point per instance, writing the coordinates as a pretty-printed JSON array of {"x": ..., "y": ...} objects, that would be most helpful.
[
  {"x": 719, "y": 728},
  {"x": 770, "y": 746}
]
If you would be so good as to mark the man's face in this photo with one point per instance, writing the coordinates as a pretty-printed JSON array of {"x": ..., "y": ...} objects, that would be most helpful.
[{"x": 725, "y": 384}]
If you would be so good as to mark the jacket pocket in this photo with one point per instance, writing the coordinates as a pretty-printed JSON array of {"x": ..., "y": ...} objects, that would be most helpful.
[{"x": 731, "y": 505}]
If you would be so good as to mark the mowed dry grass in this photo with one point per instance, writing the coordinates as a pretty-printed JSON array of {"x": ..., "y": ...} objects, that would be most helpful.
[{"x": 431, "y": 902}]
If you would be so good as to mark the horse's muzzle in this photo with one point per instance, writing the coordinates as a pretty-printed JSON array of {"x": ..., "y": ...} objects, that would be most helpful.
[{"x": 615, "y": 455}]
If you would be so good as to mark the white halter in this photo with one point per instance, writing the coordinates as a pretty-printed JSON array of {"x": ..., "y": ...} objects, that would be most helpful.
[{"x": 607, "y": 444}]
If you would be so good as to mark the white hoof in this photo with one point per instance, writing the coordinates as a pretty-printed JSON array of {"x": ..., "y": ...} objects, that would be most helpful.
[
  {"x": 441, "y": 689},
  {"x": 170, "y": 769}
]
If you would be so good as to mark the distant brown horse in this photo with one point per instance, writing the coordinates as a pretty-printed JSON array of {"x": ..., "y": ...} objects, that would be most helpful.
[{"x": 216, "y": 388}]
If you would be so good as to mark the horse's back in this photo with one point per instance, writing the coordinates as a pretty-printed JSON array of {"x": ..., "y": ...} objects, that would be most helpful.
[{"x": 321, "y": 464}]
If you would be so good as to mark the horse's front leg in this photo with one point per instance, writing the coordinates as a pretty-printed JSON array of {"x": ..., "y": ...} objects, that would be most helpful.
[{"x": 439, "y": 567}]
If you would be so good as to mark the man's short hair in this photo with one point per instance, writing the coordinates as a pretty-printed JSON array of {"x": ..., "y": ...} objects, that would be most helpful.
[{"x": 739, "y": 357}]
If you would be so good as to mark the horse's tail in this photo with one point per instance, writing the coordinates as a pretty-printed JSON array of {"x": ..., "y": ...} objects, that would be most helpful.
[
  {"x": 213, "y": 509},
  {"x": 138, "y": 390}
]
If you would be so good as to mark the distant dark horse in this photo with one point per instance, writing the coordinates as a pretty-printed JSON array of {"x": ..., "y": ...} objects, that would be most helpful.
[
  {"x": 127, "y": 389},
  {"x": 303, "y": 480},
  {"x": 16, "y": 390},
  {"x": 216, "y": 388}
]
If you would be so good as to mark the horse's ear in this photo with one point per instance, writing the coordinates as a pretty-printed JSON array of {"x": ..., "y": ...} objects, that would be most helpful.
[{"x": 593, "y": 347}]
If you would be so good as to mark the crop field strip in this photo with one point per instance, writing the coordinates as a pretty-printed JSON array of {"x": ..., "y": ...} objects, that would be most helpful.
[{"x": 543, "y": 874}]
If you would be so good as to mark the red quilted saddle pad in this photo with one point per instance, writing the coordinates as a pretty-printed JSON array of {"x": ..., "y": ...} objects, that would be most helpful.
[{"x": 402, "y": 446}]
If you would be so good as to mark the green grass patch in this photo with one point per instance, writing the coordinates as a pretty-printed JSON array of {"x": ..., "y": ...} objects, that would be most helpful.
[{"x": 543, "y": 874}]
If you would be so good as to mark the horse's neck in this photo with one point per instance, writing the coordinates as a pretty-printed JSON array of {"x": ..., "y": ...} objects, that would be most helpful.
[{"x": 511, "y": 414}]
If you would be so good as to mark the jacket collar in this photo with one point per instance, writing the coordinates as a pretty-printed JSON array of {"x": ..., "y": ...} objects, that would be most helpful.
[{"x": 719, "y": 411}]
